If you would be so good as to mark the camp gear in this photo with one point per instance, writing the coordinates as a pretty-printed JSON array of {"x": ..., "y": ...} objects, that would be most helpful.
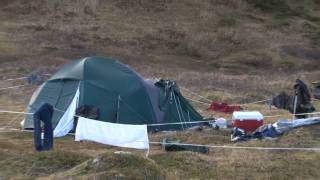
[
  {"x": 219, "y": 123},
  {"x": 316, "y": 92},
  {"x": 238, "y": 134},
  {"x": 302, "y": 99},
  {"x": 281, "y": 101},
  {"x": 248, "y": 121},
  {"x": 90, "y": 112},
  {"x": 120, "y": 94},
  {"x": 272, "y": 131},
  {"x": 177, "y": 145},
  {"x": 297, "y": 103},
  {"x": 44, "y": 114},
  {"x": 223, "y": 107}
]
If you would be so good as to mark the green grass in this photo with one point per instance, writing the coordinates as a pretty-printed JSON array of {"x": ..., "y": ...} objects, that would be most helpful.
[
  {"x": 15, "y": 163},
  {"x": 117, "y": 166}
]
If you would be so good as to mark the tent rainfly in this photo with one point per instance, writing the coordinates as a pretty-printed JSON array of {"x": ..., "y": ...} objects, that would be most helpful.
[{"x": 119, "y": 93}]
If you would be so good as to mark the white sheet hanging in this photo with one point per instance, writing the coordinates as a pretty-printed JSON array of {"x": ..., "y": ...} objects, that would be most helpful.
[
  {"x": 123, "y": 135},
  {"x": 65, "y": 124}
]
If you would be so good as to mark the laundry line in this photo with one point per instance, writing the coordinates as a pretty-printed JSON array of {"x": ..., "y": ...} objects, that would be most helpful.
[
  {"x": 15, "y": 112},
  {"x": 13, "y": 79},
  {"x": 208, "y": 146},
  {"x": 156, "y": 124},
  {"x": 240, "y": 147},
  {"x": 25, "y": 76},
  {"x": 13, "y": 87}
]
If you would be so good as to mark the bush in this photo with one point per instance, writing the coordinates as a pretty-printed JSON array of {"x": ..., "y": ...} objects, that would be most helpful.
[
  {"x": 227, "y": 21},
  {"x": 270, "y": 5}
]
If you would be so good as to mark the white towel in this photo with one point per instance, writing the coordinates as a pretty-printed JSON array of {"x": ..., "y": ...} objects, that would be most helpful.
[{"x": 123, "y": 135}]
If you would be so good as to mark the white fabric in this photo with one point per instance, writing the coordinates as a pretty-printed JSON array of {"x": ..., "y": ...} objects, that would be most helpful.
[
  {"x": 222, "y": 123},
  {"x": 65, "y": 124},
  {"x": 247, "y": 115},
  {"x": 306, "y": 121},
  {"x": 283, "y": 125},
  {"x": 123, "y": 135}
]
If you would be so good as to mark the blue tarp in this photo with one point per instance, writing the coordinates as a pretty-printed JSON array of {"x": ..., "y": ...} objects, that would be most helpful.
[{"x": 272, "y": 131}]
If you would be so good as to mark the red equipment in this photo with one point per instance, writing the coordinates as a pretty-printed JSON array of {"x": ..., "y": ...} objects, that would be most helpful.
[{"x": 248, "y": 121}]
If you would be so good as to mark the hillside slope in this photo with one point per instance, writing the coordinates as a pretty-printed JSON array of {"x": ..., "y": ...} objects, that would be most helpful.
[
  {"x": 235, "y": 51},
  {"x": 249, "y": 47}
]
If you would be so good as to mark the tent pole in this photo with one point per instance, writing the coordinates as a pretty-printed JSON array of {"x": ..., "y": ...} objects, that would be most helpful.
[{"x": 294, "y": 107}]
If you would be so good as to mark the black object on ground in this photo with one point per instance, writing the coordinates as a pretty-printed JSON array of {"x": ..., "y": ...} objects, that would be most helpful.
[
  {"x": 303, "y": 100},
  {"x": 169, "y": 145},
  {"x": 90, "y": 112},
  {"x": 316, "y": 93}
]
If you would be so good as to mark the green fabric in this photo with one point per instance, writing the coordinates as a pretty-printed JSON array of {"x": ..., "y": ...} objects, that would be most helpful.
[
  {"x": 176, "y": 107},
  {"x": 119, "y": 93},
  {"x": 58, "y": 93},
  {"x": 104, "y": 80}
]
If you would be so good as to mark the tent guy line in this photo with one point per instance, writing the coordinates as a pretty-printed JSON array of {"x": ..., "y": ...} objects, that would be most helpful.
[
  {"x": 209, "y": 146},
  {"x": 158, "y": 124},
  {"x": 191, "y": 92},
  {"x": 183, "y": 88},
  {"x": 13, "y": 79},
  {"x": 12, "y": 87},
  {"x": 198, "y": 101},
  {"x": 22, "y": 77},
  {"x": 241, "y": 147}
]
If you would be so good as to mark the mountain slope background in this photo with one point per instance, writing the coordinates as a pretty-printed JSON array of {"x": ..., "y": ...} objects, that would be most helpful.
[{"x": 235, "y": 51}]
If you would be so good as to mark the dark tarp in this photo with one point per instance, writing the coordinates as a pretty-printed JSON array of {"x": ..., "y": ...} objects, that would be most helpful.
[
  {"x": 316, "y": 93},
  {"x": 284, "y": 101}
]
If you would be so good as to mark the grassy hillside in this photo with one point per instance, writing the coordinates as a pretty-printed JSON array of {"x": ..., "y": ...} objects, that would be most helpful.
[{"x": 227, "y": 50}]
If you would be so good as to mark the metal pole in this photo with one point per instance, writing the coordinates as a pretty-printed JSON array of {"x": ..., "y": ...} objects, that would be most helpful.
[{"x": 294, "y": 107}]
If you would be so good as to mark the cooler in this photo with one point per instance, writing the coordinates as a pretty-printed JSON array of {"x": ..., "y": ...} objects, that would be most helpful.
[{"x": 248, "y": 121}]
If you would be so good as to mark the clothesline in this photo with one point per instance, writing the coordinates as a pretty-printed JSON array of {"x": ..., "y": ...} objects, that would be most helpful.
[
  {"x": 316, "y": 149},
  {"x": 12, "y": 87},
  {"x": 157, "y": 124},
  {"x": 13, "y": 79},
  {"x": 15, "y": 112},
  {"x": 240, "y": 147},
  {"x": 22, "y": 77}
]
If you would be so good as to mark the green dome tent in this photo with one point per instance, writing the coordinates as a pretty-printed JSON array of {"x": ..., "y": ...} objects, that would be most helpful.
[{"x": 120, "y": 94}]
